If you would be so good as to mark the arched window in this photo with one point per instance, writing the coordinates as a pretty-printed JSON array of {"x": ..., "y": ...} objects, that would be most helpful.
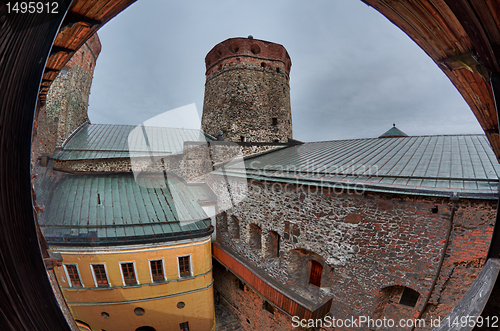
[
  {"x": 255, "y": 236},
  {"x": 234, "y": 227},
  {"x": 273, "y": 244},
  {"x": 145, "y": 328}
]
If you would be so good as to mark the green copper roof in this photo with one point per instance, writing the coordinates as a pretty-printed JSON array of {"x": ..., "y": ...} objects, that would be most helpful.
[
  {"x": 106, "y": 141},
  {"x": 113, "y": 209},
  {"x": 393, "y": 132}
]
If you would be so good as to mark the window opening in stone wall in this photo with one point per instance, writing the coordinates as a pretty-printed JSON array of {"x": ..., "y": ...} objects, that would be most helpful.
[
  {"x": 157, "y": 274},
  {"x": 287, "y": 230},
  {"x": 255, "y": 236},
  {"x": 128, "y": 273},
  {"x": 275, "y": 121},
  {"x": 223, "y": 222},
  {"x": 241, "y": 286},
  {"x": 184, "y": 266},
  {"x": 100, "y": 276},
  {"x": 73, "y": 275},
  {"x": 235, "y": 228},
  {"x": 409, "y": 297},
  {"x": 315, "y": 276},
  {"x": 273, "y": 244},
  {"x": 184, "y": 326},
  {"x": 268, "y": 307},
  {"x": 242, "y": 139}
]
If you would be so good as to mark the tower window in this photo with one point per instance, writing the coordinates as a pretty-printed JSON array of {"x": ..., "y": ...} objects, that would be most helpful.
[
  {"x": 100, "y": 277},
  {"x": 73, "y": 275},
  {"x": 157, "y": 274},
  {"x": 128, "y": 273},
  {"x": 184, "y": 326},
  {"x": 275, "y": 121},
  {"x": 184, "y": 266}
]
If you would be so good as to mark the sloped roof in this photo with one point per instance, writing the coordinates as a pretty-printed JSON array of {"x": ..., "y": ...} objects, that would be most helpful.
[
  {"x": 424, "y": 165},
  {"x": 112, "y": 208},
  {"x": 106, "y": 141},
  {"x": 393, "y": 132}
]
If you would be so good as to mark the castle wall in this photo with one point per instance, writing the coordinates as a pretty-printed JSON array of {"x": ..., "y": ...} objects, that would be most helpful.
[
  {"x": 67, "y": 100},
  {"x": 365, "y": 242}
]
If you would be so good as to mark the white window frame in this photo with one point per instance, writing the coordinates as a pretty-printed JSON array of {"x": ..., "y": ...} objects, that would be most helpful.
[
  {"x": 121, "y": 272},
  {"x": 67, "y": 274},
  {"x": 105, "y": 271},
  {"x": 163, "y": 268},
  {"x": 190, "y": 265}
]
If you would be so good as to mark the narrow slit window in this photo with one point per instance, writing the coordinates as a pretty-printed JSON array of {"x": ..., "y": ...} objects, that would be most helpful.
[
  {"x": 157, "y": 274},
  {"x": 128, "y": 272},
  {"x": 101, "y": 279},
  {"x": 73, "y": 275},
  {"x": 184, "y": 266},
  {"x": 275, "y": 121}
]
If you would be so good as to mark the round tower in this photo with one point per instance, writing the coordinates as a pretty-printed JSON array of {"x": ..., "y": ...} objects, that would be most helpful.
[{"x": 247, "y": 91}]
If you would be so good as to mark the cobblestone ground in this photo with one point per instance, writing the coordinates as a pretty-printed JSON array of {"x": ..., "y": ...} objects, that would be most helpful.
[{"x": 225, "y": 321}]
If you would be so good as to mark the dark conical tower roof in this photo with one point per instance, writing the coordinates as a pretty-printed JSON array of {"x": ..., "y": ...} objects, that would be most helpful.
[{"x": 393, "y": 132}]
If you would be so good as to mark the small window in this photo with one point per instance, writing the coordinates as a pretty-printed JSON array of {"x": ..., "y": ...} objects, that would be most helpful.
[
  {"x": 157, "y": 274},
  {"x": 268, "y": 307},
  {"x": 128, "y": 273},
  {"x": 100, "y": 277},
  {"x": 184, "y": 326},
  {"x": 243, "y": 139},
  {"x": 275, "y": 121},
  {"x": 73, "y": 275},
  {"x": 409, "y": 297},
  {"x": 241, "y": 286},
  {"x": 184, "y": 266}
]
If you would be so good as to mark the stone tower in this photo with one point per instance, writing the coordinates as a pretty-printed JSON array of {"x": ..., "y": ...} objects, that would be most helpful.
[
  {"x": 247, "y": 91},
  {"x": 67, "y": 100}
]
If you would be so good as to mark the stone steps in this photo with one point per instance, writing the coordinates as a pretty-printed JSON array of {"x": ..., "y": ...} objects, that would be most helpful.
[{"x": 225, "y": 321}]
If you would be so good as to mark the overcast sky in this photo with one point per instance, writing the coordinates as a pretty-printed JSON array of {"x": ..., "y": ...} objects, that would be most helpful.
[{"x": 353, "y": 73}]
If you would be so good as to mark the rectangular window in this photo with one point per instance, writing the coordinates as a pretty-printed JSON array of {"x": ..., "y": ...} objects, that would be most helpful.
[
  {"x": 73, "y": 275},
  {"x": 157, "y": 274},
  {"x": 100, "y": 277},
  {"x": 184, "y": 266},
  {"x": 128, "y": 273},
  {"x": 184, "y": 326},
  {"x": 275, "y": 121}
]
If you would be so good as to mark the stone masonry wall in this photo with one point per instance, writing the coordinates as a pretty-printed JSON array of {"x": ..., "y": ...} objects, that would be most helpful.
[
  {"x": 366, "y": 242},
  {"x": 67, "y": 100},
  {"x": 247, "y": 93},
  {"x": 242, "y": 100}
]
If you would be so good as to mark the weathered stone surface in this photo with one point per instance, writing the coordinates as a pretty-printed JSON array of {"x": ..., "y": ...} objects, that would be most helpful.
[{"x": 247, "y": 94}]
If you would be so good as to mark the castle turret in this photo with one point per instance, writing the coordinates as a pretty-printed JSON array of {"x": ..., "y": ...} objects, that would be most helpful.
[{"x": 247, "y": 91}]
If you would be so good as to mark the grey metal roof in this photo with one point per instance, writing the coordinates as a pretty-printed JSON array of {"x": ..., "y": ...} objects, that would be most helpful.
[
  {"x": 427, "y": 165},
  {"x": 105, "y": 141},
  {"x": 113, "y": 208}
]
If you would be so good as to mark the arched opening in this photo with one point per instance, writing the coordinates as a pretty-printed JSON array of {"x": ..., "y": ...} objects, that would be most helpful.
[
  {"x": 273, "y": 244},
  {"x": 222, "y": 222},
  {"x": 396, "y": 302},
  {"x": 145, "y": 328},
  {"x": 234, "y": 227},
  {"x": 255, "y": 236}
]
